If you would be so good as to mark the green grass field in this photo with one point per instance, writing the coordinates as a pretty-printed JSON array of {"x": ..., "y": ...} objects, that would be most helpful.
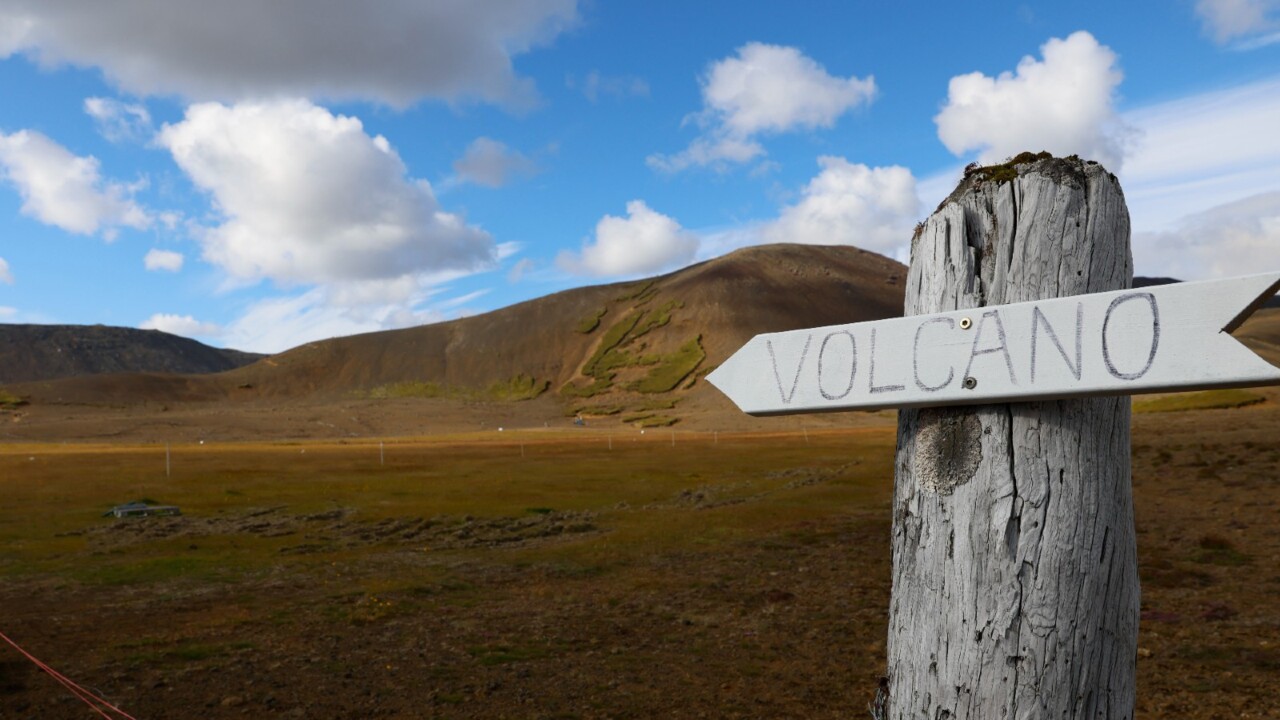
[
  {"x": 1204, "y": 400},
  {"x": 51, "y": 522}
]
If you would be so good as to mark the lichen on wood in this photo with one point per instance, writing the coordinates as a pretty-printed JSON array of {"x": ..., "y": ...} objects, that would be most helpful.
[{"x": 949, "y": 448}]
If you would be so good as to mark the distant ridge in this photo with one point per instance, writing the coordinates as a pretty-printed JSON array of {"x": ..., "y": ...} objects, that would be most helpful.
[
  {"x": 1141, "y": 282},
  {"x": 31, "y": 353}
]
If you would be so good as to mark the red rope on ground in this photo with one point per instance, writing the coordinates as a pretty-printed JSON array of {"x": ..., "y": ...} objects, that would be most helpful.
[{"x": 100, "y": 706}]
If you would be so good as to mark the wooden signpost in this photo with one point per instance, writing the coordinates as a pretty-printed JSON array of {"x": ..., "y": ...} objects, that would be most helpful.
[
  {"x": 1158, "y": 339},
  {"x": 1015, "y": 584}
]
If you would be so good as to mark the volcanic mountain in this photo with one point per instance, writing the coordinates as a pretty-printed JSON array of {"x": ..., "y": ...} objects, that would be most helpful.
[
  {"x": 634, "y": 353},
  {"x": 632, "y": 340}
]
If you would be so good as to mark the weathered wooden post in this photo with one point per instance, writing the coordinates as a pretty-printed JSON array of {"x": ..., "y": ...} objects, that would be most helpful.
[
  {"x": 1015, "y": 585},
  {"x": 1015, "y": 575}
]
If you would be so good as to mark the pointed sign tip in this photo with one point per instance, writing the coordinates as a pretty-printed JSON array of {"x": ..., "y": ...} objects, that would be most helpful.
[
  {"x": 718, "y": 380},
  {"x": 711, "y": 378},
  {"x": 726, "y": 377}
]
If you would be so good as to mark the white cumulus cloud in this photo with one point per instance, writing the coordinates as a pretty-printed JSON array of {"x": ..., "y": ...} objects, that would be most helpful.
[
  {"x": 1063, "y": 104},
  {"x": 6, "y": 276},
  {"x": 851, "y": 204},
  {"x": 645, "y": 241},
  {"x": 119, "y": 121},
  {"x": 708, "y": 152},
  {"x": 183, "y": 325},
  {"x": 1257, "y": 21},
  {"x": 771, "y": 88},
  {"x": 66, "y": 190},
  {"x": 491, "y": 163},
  {"x": 157, "y": 259},
  {"x": 309, "y": 197},
  {"x": 395, "y": 51},
  {"x": 764, "y": 89},
  {"x": 519, "y": 269}
]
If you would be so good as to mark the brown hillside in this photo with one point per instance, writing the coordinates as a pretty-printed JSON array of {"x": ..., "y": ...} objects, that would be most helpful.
[
  {"x": 712, "y": 308},
  {"x": 720, "y": 304}
]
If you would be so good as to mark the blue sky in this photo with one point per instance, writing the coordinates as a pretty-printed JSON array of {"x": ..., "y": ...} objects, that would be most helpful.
[{"x": 259, "y": 175}]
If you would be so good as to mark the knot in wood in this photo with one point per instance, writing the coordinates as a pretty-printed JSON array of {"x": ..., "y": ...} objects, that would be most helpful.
[{"x": 948, "y": 448}]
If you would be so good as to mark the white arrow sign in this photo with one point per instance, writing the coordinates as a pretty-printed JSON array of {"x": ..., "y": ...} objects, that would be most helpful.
[{"x": 1170, "y": 337}]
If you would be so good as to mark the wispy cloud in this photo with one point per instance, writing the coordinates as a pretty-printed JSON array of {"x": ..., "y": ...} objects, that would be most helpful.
[
  {"x": 1235, "y": 238},
  {"x": 119, "y": 121},
  {"x": 595, "y": 85},
  {"x": 491, "y": 163},
  {"x": 461, "y": 300},
  {"x": 1202, "y": 151},
  {"x": 1247, "y": 24}
]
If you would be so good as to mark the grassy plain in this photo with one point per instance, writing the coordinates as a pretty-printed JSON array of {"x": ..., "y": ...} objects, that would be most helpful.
[
  {"x": 56, "y": 495},
  {"x": 445, "y": 564},
  {"x": 556, "y": 574}
]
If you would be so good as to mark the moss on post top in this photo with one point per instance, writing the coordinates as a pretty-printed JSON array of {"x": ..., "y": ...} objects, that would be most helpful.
[{"x": 1071, "y": 169}]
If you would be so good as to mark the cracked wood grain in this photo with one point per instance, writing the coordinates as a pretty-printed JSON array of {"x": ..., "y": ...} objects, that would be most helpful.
[{"x": 1015, "y": 585}]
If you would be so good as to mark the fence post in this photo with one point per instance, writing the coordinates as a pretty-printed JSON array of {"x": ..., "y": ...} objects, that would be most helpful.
[{"x": 1015, "y": 584}]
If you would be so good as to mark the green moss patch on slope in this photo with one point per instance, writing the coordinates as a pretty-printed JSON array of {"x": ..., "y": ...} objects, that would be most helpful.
[
  {"x": 590, "y": 322},
  {"x": 9, "y": 401},
  {"x": 673, "y": 368},
  {"x": 612, "y": 339}
]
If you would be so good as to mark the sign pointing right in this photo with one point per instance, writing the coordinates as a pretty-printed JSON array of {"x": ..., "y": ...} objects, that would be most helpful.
[{"x": 1169, "y": 337}]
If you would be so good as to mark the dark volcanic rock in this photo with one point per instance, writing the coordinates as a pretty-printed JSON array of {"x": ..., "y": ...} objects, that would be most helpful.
[
  {"x": 44, "y": 352},
  {"x": 1141, "y": 282}
]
